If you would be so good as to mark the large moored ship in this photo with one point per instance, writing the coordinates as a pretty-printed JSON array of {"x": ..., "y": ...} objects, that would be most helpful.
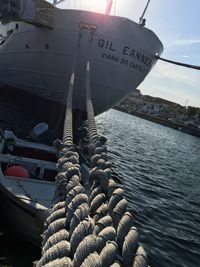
[{"x": 41, "y": 45}]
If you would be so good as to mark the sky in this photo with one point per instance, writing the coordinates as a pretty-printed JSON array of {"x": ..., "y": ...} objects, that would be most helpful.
[{"x": 176, "y": 23}]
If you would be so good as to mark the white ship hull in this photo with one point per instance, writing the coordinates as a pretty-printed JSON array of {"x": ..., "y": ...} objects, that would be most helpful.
[{"x": 40, "y": 60}]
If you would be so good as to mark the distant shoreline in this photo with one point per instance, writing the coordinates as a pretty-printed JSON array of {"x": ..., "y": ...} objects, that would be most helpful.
[{"x": 167, "y": 123}]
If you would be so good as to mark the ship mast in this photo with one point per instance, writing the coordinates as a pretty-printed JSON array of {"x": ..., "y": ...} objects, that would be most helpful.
[{"x": 108, "y": 7}]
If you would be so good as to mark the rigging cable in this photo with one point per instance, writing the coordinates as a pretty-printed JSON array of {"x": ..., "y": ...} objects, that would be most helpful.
[
  {"x": 115, "y": 7},
  {"x": 179, "y": 63},
  {"x": 142, "y": 17}
]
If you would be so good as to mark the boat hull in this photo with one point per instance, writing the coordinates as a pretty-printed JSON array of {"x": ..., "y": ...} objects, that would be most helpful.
[
  {"x": 41, "y": 60},
  {"x": 22, "y": 217}
]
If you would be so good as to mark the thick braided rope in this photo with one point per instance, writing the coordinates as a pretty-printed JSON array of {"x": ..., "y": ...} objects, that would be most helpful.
[
  {"x": 108, "y": 206},
  {"x": 72, "y": 237},
  {"x": 109, "y": 209},
  {"x": 67, "y": 132},
  {"x": 68, "y": 239},
  {"x": 68, "y": 222},
  {"x": 55, "y": 239}
]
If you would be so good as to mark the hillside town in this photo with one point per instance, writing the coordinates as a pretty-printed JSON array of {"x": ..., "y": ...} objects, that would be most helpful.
[{"x": 136, "y": 102}]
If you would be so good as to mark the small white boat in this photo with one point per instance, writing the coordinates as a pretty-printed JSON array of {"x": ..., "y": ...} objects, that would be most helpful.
[{"x": 27, "y": 185}]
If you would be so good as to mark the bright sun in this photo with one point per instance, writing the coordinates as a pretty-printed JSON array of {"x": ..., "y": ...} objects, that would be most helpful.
[
  {"x": 92, "y": 5},
  {"x": 126, "y": 8},
  {"x": 95, "y": 5}
]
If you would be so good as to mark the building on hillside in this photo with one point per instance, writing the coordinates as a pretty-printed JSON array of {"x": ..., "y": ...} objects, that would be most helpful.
[{"x": 151, "y": 105}]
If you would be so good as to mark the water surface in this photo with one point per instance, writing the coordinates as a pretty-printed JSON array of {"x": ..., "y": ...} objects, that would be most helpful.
[{"x": 159, "y": 168}]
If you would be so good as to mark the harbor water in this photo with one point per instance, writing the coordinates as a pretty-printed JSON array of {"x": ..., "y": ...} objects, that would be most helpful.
[{"x": 159, "y": 169}]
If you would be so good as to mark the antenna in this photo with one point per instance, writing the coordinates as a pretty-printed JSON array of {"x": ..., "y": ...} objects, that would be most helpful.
[{"x": 142, "y": 20}]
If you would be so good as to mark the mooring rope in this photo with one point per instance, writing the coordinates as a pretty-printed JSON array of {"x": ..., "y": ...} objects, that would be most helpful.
[
  {"x": 113, "y": 223},
  {"x": 67, "y": 130},
  {"x": 94, "y": 229},
  {"x": 179, "y": 63},
  {"x": 68, "y": 222}
]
